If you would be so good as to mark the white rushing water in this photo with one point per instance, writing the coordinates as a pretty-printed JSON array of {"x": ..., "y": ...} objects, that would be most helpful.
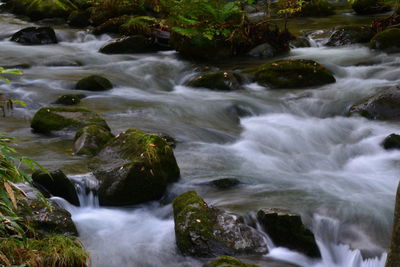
[{"x": 295, "y": 149}]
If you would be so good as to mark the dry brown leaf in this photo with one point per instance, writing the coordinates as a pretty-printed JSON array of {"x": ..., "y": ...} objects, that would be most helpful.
[
  {"x": 4, "y": 259},
  {"x": 10, "y": 193}
]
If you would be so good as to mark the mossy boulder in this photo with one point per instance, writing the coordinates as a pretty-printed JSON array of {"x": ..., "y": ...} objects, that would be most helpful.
[
  {"x": 130, "y": 45},
  {"x": 291, "y": 73},
  {"x": 204, "y": 231},
  {"x": 91, "y": 139},
  {"x": 44, "y": 215},
  {"x": 94, "y": 83},
  {"x": 384, "y": 105},
  {"x": 347, "y": 35},
  {"x": 316, "y": 8},
  {"x": 56, "y": 183},
  {"x": 70, "y": 99},
  {"x": 369, "y": 7},
  {"x": 49, "y": 119},
  {"x": 35, "y": 36},
  {"x": 391, "y": 142},
  {"x": 286, "y": 229},
  {"x": 388, "y": 41},
  {"x": 227, "y": 261},
  {"x": 133, "y": 168},
  {"x": 41, "y": 9},
  {"x": 221, "y": 80}
]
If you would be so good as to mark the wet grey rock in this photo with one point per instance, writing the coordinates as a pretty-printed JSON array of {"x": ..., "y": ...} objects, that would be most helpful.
[
  {"x": 347, "y": 35},
  {"x": 35, "y": 36},
  {"x": 391, "y": 142}
]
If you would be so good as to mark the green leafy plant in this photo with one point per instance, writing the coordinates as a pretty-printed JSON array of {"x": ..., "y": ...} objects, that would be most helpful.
[{"x": 8, "y": 71}]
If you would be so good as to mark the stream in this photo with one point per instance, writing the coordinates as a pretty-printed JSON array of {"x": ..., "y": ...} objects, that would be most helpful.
[{"x": 293, "y": 149}]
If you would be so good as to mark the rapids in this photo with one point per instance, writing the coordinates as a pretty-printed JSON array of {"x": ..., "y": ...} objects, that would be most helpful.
[{"x": 294, "y": 149}]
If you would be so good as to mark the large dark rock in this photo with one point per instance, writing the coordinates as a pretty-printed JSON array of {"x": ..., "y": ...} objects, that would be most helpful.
[
  {"x": 369, "y": 7},
  {"x": 49, "y": 119},
  {"x": 44, "y": 215},
  {"x": 388, "y": 41},
  {"x": 300, "y": 42},
  {"x": 57, "y": 184},
  {"x": 91, "y": 139},
  {"x": 263, "y": 51},
  {"x": 79, "y": 19},
  {"x": 384, "y": 105},
  {"x": 316, "y": 8},
  {"x": 221, "y": 80},
  {"x": 133, "y": 168},
  {"x": 42, "y": 9},
  {"x": 70, "y": 99},
  {"x": 292, "y": 73},
  {"x": 131, "y": 45},
  {"x": 204, "y": 231},
  {"x": 347, "y": 35},
  {"x": 35, "y": 36},
  {"x": 94, "y": 83},
  {"x": 227, "y": 261},
  {"x": 393, "y": 258},
  {"x": 391, "y": 142},
  {"x": 287, "y": 230}
]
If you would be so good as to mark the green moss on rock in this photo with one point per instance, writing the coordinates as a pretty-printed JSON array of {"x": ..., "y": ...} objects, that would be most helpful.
[
  {"x": 369, "y": 7},
  {"x": 221, "y": 80},
  {"x": 134, "y": 167},
  {"x": 388, "y": 41},
  {"x": 203, "y": 231},
  {"x": 292, "y": 73},
  {"x": 227, "y": 261},
  {"x": 49, "y": 119},
  {"x": 91, "y": 139},
  {"x": 41, "y": 9}
]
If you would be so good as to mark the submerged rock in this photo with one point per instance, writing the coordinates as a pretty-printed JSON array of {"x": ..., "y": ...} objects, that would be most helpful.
[
  {"x": 221, "y": 80},
  {"x": 35, "y": 36},
  {"x": 263, "y": 51},
  {"x": 225, "y": 183},
  {"x": 70, "y": 99},
  {"x": 292, "y": 73},
  {"x": 287, "y": 230},
  {"x": 44, "y": 215},
  {"x": 49, "y": 119},
  {"x": 391, "y": 142},
  {"x": 226, "y": 261},
  {"x": 369, "y": 7},
  {"x": 91, "y": 139},
  {"x": 204, "y": 231},
  {"x": 94, "y": 83},
  {"x": 57, "y": 184},
  {"x": 134, "y": 167},
  {"x": 347, "y": 35},
  {"x": 384, "y": 105},
  {"x": 388, "y": 41}
]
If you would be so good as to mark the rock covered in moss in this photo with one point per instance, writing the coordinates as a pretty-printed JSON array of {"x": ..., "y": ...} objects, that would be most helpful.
[
  {"x": 203, "y": 231},
  {"x": 91, "y": 139},
  {"x": 57, "y": 184},
  {"x": 42, "y": 9},
  {"x": 391, "y": 142},
  {"x": 384, "y": 105},
  {"x": 393, "y": 258},
  {"x": 292, "y": 73},
  {"x": 347, "y": 35},
  {"x": 369, "y": 7},
  {"x": 286, "y": 229},
  {"x": 227, "y": 261},
  {"x": 387, "y": 41},
  {"x": 44, "y": 215},
  {"x": 134, "y": 167},
  {"x": 94, "y": 83},
  {"x": 49, "y": 119},
  {"x": 221, "y": 80},
  {"x": 316, "y": 8},
  {"x": 35, "y": 36},
  {"x": 70, "y": 99}
]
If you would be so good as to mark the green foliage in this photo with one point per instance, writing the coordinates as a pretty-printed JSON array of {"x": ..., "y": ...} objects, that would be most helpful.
[
  {"x": 142, "y": 25},
  {"x": 8, "y": 71},
  {"x": 209, "y": 19}
]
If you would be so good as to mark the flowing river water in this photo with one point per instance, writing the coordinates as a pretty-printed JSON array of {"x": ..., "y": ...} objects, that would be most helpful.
[{"x": 293, "y": 149}]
